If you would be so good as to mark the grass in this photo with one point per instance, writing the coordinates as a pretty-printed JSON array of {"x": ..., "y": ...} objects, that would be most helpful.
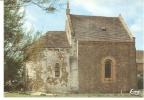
[
  {"x": 15, "y": 94},
  {"x": 8, "y": 94}
]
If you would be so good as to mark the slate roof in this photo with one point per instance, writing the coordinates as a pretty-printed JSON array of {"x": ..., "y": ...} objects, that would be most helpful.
[
  {"x": 53, "y": 39},
  {"x": 56, "y": 39},
  {"x": 98, "y": 28}
]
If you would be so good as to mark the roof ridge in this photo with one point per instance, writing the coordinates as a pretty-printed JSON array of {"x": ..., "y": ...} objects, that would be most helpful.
[
  {"x": 94, "y": 16},
  {"x": 55, "y": 31}
]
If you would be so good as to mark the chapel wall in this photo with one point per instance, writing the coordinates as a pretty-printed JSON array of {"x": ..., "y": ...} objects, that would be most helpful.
[
  {"x": 41, "y": 71},
  {"x": 90, "y": 57}
]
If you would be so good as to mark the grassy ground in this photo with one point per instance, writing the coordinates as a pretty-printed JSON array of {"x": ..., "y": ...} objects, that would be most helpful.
[
  {"x": 14, "y": 94},
  {"x": 7, "y": 94}
]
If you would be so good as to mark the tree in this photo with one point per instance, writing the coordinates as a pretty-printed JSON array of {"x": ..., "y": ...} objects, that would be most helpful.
[
  {"x": 15, "y": 39},
  {"x": 12, "y": 36}
]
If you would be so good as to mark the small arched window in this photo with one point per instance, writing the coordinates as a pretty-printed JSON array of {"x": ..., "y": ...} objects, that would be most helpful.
[
  {"x": 57, "y": 70},
  {"x": 108, "y": 68}
]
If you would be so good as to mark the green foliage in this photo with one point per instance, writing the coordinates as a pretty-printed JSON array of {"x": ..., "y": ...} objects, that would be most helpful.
[
  {"x": 12, "y": 36},
  {"x": 13, "y": 41},
  {"x": 16, "y": 40}
]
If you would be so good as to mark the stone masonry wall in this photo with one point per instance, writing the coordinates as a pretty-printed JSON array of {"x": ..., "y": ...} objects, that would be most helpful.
[
  {"x": 41, "y": 71},
  {"x": 73, "y": 57},
  {"x": 90, "y": 55}
]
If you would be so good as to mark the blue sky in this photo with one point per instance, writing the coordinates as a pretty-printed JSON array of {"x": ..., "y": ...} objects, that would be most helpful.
[{"x": 131, "y": 10}]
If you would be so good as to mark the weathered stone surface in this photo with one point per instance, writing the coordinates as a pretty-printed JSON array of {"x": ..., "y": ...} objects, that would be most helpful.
[
  {"x": 41, "y": 74},
  {"x": 90, "y": 66}
]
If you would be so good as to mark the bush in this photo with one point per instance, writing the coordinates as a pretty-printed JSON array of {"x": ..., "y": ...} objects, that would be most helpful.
[{"x": 13, "y": 86}]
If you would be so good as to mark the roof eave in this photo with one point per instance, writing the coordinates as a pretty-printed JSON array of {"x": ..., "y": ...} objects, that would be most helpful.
[
  {"x": 70, "y": 23},
  {"x": 131, "y": 35}
]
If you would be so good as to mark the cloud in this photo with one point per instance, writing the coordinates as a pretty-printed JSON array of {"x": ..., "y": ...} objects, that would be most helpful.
[
  {"x": 137, "y": 27},
  {"x": 93, "y": 6},
  {"x": 30, "y": 16},
  {"x": 109, "y": 7},
  {"x": 30, "y": 21},
  {"x": 21, "y": 10},
  {"x": 28, "y": 27}
]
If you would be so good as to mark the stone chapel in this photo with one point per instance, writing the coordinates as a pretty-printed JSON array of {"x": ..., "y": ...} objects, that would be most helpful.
[{"x": 93, "y": 54}]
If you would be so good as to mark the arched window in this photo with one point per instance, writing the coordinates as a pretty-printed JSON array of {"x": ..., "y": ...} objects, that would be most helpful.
[
  {"x": 57, "y": 70},
  {"x": 108, "y": 68}
]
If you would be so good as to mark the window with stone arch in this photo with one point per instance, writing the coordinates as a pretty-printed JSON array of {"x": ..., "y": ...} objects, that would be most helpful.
[
  {"x": 57, "y": 70},
  {"x": 108, "y": 69}
]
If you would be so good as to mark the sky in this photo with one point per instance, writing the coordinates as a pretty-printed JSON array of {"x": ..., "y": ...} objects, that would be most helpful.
[{"x": 131, "y": 10}]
